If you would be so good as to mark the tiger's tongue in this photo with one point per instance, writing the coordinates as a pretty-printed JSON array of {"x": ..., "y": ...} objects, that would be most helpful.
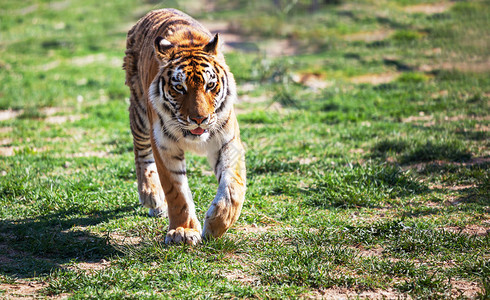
[{"x": 197, "y": 131}]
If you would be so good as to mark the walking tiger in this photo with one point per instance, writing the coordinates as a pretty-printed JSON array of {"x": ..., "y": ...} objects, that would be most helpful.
[{"x": 182, "y": 95}]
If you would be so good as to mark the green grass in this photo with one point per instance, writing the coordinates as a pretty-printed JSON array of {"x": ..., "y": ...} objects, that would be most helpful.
[{"x": 357, "y": 186}]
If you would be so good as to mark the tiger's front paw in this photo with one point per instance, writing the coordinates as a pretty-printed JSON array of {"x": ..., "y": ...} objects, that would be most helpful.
[
  {"x": 218, "y": 219},
  {"x": 181, "y": 235}
]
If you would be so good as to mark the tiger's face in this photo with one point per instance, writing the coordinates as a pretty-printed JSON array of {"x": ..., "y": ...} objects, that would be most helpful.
[{"x": 191, "y": 88}]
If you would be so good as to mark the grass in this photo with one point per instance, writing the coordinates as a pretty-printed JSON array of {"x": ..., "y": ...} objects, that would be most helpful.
[{"x": 355, "y": 186}]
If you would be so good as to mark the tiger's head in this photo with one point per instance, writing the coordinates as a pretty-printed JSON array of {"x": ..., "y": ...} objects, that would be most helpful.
[{"x": 192, "y": 90}]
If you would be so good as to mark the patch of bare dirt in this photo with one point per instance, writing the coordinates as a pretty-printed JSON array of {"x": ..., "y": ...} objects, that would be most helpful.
[
  {"x": 429, "y": 120},
  {"x": 6, "y": 141},
  {"x": 230, "y": 40},
  {"x": 452, "y": 188},
  {"x": 90, "y": 154},
  {"x": 314, "y": 81},
  {"x": 254, "y": 99},
  {"x": 59, "y": 5},
  {"x": 88, "y": 267},
  {"x": 472, "y": 66},
  {"x": 472, "y": 162},
  {"x": 239, "y": 275},
  {"x": 9, "y": 114},
  {"x": 49, "y": 112},
  {"x": 345, "y": 293},
  {"x": 422, "y": 117},
  {"x": 26, "y": 10},
  {"x": 8, "y": 150},
  {"x": 253, "y": 229},
  {"x": 370, "y": 252},
  {"x": 465, "y": 289},
  {"x": 22, "y": 289},
  {"x": 5, "y": 129},
  {"x": 120, "y": 239},
  {"x": 375, "y": 79},
  {"x": 368, "y": 36},
  {"x": 469, "y": 230},
  {"x": 464, "y": 117},
  {"x": 429, "y": 8},
  {"x": 234, "y": 41},
  {"x": 63, "y": 119},
  {"x": 96, "y": 58},
  {"x": 278, "y": 48},
  {"x": 475, "y": 66},
  {"x": 307, "y": 160}
]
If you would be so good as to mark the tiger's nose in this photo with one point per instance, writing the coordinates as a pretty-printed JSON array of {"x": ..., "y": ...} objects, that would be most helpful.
[{"x": 199, "y": 120}]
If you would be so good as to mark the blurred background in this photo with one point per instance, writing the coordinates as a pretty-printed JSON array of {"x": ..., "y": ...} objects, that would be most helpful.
[{"x": 47, "y": 46}]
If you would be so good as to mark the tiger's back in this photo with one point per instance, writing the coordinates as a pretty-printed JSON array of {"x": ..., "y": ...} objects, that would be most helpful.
[{"x": 182, "y": 96}]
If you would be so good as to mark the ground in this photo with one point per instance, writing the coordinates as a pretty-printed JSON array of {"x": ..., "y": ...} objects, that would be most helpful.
[{"x": 366, "y": 129}]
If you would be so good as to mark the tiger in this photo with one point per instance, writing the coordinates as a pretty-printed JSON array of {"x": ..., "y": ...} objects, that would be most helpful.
[{"x": 181, "y": 99}]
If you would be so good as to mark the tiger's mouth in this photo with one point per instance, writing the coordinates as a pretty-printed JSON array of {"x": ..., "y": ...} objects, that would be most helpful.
[{"x": 198, "y": 131}]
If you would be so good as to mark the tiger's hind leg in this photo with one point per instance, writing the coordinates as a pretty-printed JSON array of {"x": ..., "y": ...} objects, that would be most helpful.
[{"x": 150, "y": 190}]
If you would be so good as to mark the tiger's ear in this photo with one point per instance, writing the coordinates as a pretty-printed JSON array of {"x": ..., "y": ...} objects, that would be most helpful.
[
  {"x": 213, "y": 46},
  {"x": 162, "y": 48}
]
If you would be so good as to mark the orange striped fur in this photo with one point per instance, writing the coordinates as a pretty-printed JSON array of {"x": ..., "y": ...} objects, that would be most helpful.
[{"x": 182, "y": 95}]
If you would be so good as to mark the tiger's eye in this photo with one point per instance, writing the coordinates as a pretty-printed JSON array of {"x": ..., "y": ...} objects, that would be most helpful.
[
  {"x": 179, "y": 86},
  {"x": 211, "y": 85}
]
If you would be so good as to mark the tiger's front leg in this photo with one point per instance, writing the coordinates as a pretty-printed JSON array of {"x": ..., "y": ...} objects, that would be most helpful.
[
  {"x": 229, "y": 168},
  {"x": 184, "y": 227}
]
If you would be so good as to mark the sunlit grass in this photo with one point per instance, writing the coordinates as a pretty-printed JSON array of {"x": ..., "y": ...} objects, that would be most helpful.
[{"x": 356, "y": 184}]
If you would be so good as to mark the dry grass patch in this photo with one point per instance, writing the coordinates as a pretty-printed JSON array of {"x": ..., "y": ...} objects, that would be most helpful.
[
  {"x": 22, "y": 289},
  {"x": 314, "y": 81},
  {"x": 9, "y": 114},
  {"x": 465, "y": 289},
  {"x": 346, "y": 293},
  {"x": 375, "y": 79},
  {"x": 89, "y": 267},
  {"x": 470, "y": 229},
  {"x": 429, "y": 8},
  {"x": 101, "y": 154},
  {"x": 368, "y": 36}
]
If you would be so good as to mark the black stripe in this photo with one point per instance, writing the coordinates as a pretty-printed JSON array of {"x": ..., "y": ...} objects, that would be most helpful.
[
  {"x": 144, "y": 155},
  {"x": 189, "y": 36},
  {"x": 172, "y": 22},
  {"x": 165, "y": 130},
  {"x": 225, "y": 87},
  {"x": 137, "y": 136},
  {"x": 178, "y": 157},
  {"x": 141, "y": 107},
  {"x": 181, "y": 172},
  {"x": 162, "y": 147},
  {"x": 221, "y": 106},
  {"x": 140, "y": 146},
  {"x": 220, "y": 152},
  {"x": 142, "y": 126}
]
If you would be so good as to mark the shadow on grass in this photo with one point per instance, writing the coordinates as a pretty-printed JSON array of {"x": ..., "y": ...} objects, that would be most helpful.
[
  {"x": 414, "y": 152},
  {"x": 36, "y": 246},
  {"x": 477, "y": 195},
  {"x": 363, "y": 186}
]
